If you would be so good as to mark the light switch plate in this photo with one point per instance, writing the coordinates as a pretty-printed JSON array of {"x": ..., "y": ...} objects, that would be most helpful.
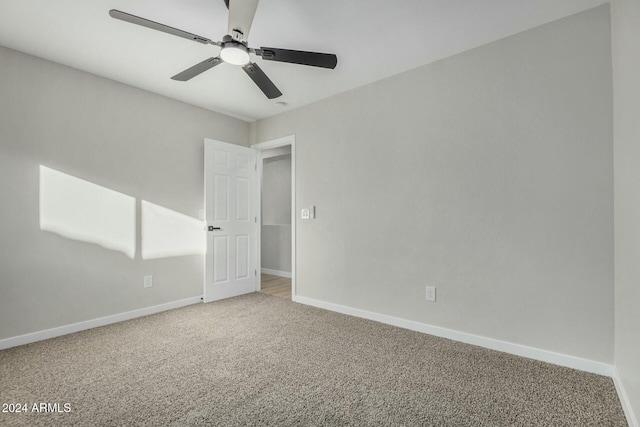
[
  {"x": 305, "y": 213},
  {"x": 431, "y": 293}
]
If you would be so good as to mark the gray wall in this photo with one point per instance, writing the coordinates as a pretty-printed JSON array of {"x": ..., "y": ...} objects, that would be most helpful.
[
  {"x": 488, "y": 175},
  {"x": 626, "y": 106},
  {"x": 275, "y": 252},
  {"x": 276, "y": 190},
  {"x": 276, "y": 214},
  {"x": 136, "y": 143}
]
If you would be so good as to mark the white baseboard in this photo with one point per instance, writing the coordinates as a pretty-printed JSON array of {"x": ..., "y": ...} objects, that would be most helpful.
[
  {"x": 94, "y": 323},
  {"x": 490, "y": 343},
  {"x": 624, "y": 400},
  {"x": 276, "y": 272}
]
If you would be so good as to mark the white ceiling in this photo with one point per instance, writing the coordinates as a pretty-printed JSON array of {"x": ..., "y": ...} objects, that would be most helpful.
[{"x": 373, "y": 39}]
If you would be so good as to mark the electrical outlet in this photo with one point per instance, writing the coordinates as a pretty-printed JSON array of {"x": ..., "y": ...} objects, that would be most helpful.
[
  {"x": 304, "y": 213},
  {"x": 431, "y": 293},
  {"x": 148, "y": 281}
]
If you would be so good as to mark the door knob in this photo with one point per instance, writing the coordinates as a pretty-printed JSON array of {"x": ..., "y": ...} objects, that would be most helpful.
[{"x": 212, "y": 228}]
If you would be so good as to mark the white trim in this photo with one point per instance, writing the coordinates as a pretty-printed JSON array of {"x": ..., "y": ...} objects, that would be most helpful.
[
  {"x": 294, "y": 217},
  {"x": 94, "y": 323},
  {"x": 624, "y": 400},
  {"x": 490, "y": 343},
  {"x": 259, "y": 170},
  {"x": 276, "y": 272},
  {"x": 276, "y": 152},
  {"x": 276, "y": 143}
]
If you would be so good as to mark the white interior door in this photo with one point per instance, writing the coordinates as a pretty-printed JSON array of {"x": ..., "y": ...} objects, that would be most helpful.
[{"x": 231, "y": 219}]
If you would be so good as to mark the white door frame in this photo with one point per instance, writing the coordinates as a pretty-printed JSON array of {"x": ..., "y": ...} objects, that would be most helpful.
[{"x": 275, "y": 143}]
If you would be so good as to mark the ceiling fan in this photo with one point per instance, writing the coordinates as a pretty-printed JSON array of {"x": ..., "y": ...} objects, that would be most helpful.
[{"x": 234, "y": 49}]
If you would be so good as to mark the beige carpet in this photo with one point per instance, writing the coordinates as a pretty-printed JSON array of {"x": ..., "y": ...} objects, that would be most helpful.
[{"x": 262, "y": 360}]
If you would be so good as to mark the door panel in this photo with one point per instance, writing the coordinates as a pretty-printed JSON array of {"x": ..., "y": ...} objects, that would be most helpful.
[
  {"x": 242, "y": 256},
  {"x": 230, "y": 194},
  {"x": 242, "y": 197},
  {"x": 221, "y": 198},
  {"x": 221, "y": 258}
]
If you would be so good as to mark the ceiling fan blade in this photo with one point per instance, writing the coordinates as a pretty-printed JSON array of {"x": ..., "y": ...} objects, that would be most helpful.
[
  {"x": 261, "y": 80},
  {"x": 190, "y": 73},
  {"x": 241, "y": 13},
  {"x": 117, "y": 14},
  {"x": 315, "y": 59}
]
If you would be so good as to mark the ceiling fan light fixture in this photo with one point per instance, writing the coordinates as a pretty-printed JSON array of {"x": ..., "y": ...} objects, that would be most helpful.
[{"x": 235, "y": 53}]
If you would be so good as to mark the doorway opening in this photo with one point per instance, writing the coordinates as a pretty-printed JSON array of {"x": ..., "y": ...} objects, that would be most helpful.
[{"x": 276, "y": 231}]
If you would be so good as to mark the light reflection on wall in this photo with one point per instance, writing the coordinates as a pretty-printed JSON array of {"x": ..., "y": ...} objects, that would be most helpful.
[
  {"x": 80, "y": 210},
  {"x": 167, "y": 233}
]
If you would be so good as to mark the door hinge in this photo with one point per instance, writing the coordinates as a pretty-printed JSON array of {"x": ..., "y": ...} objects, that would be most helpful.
[
  {"x": 255, "y": 219},
  {"x": 255, "y": 166},
  {"x": 255, "y": 272}
]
